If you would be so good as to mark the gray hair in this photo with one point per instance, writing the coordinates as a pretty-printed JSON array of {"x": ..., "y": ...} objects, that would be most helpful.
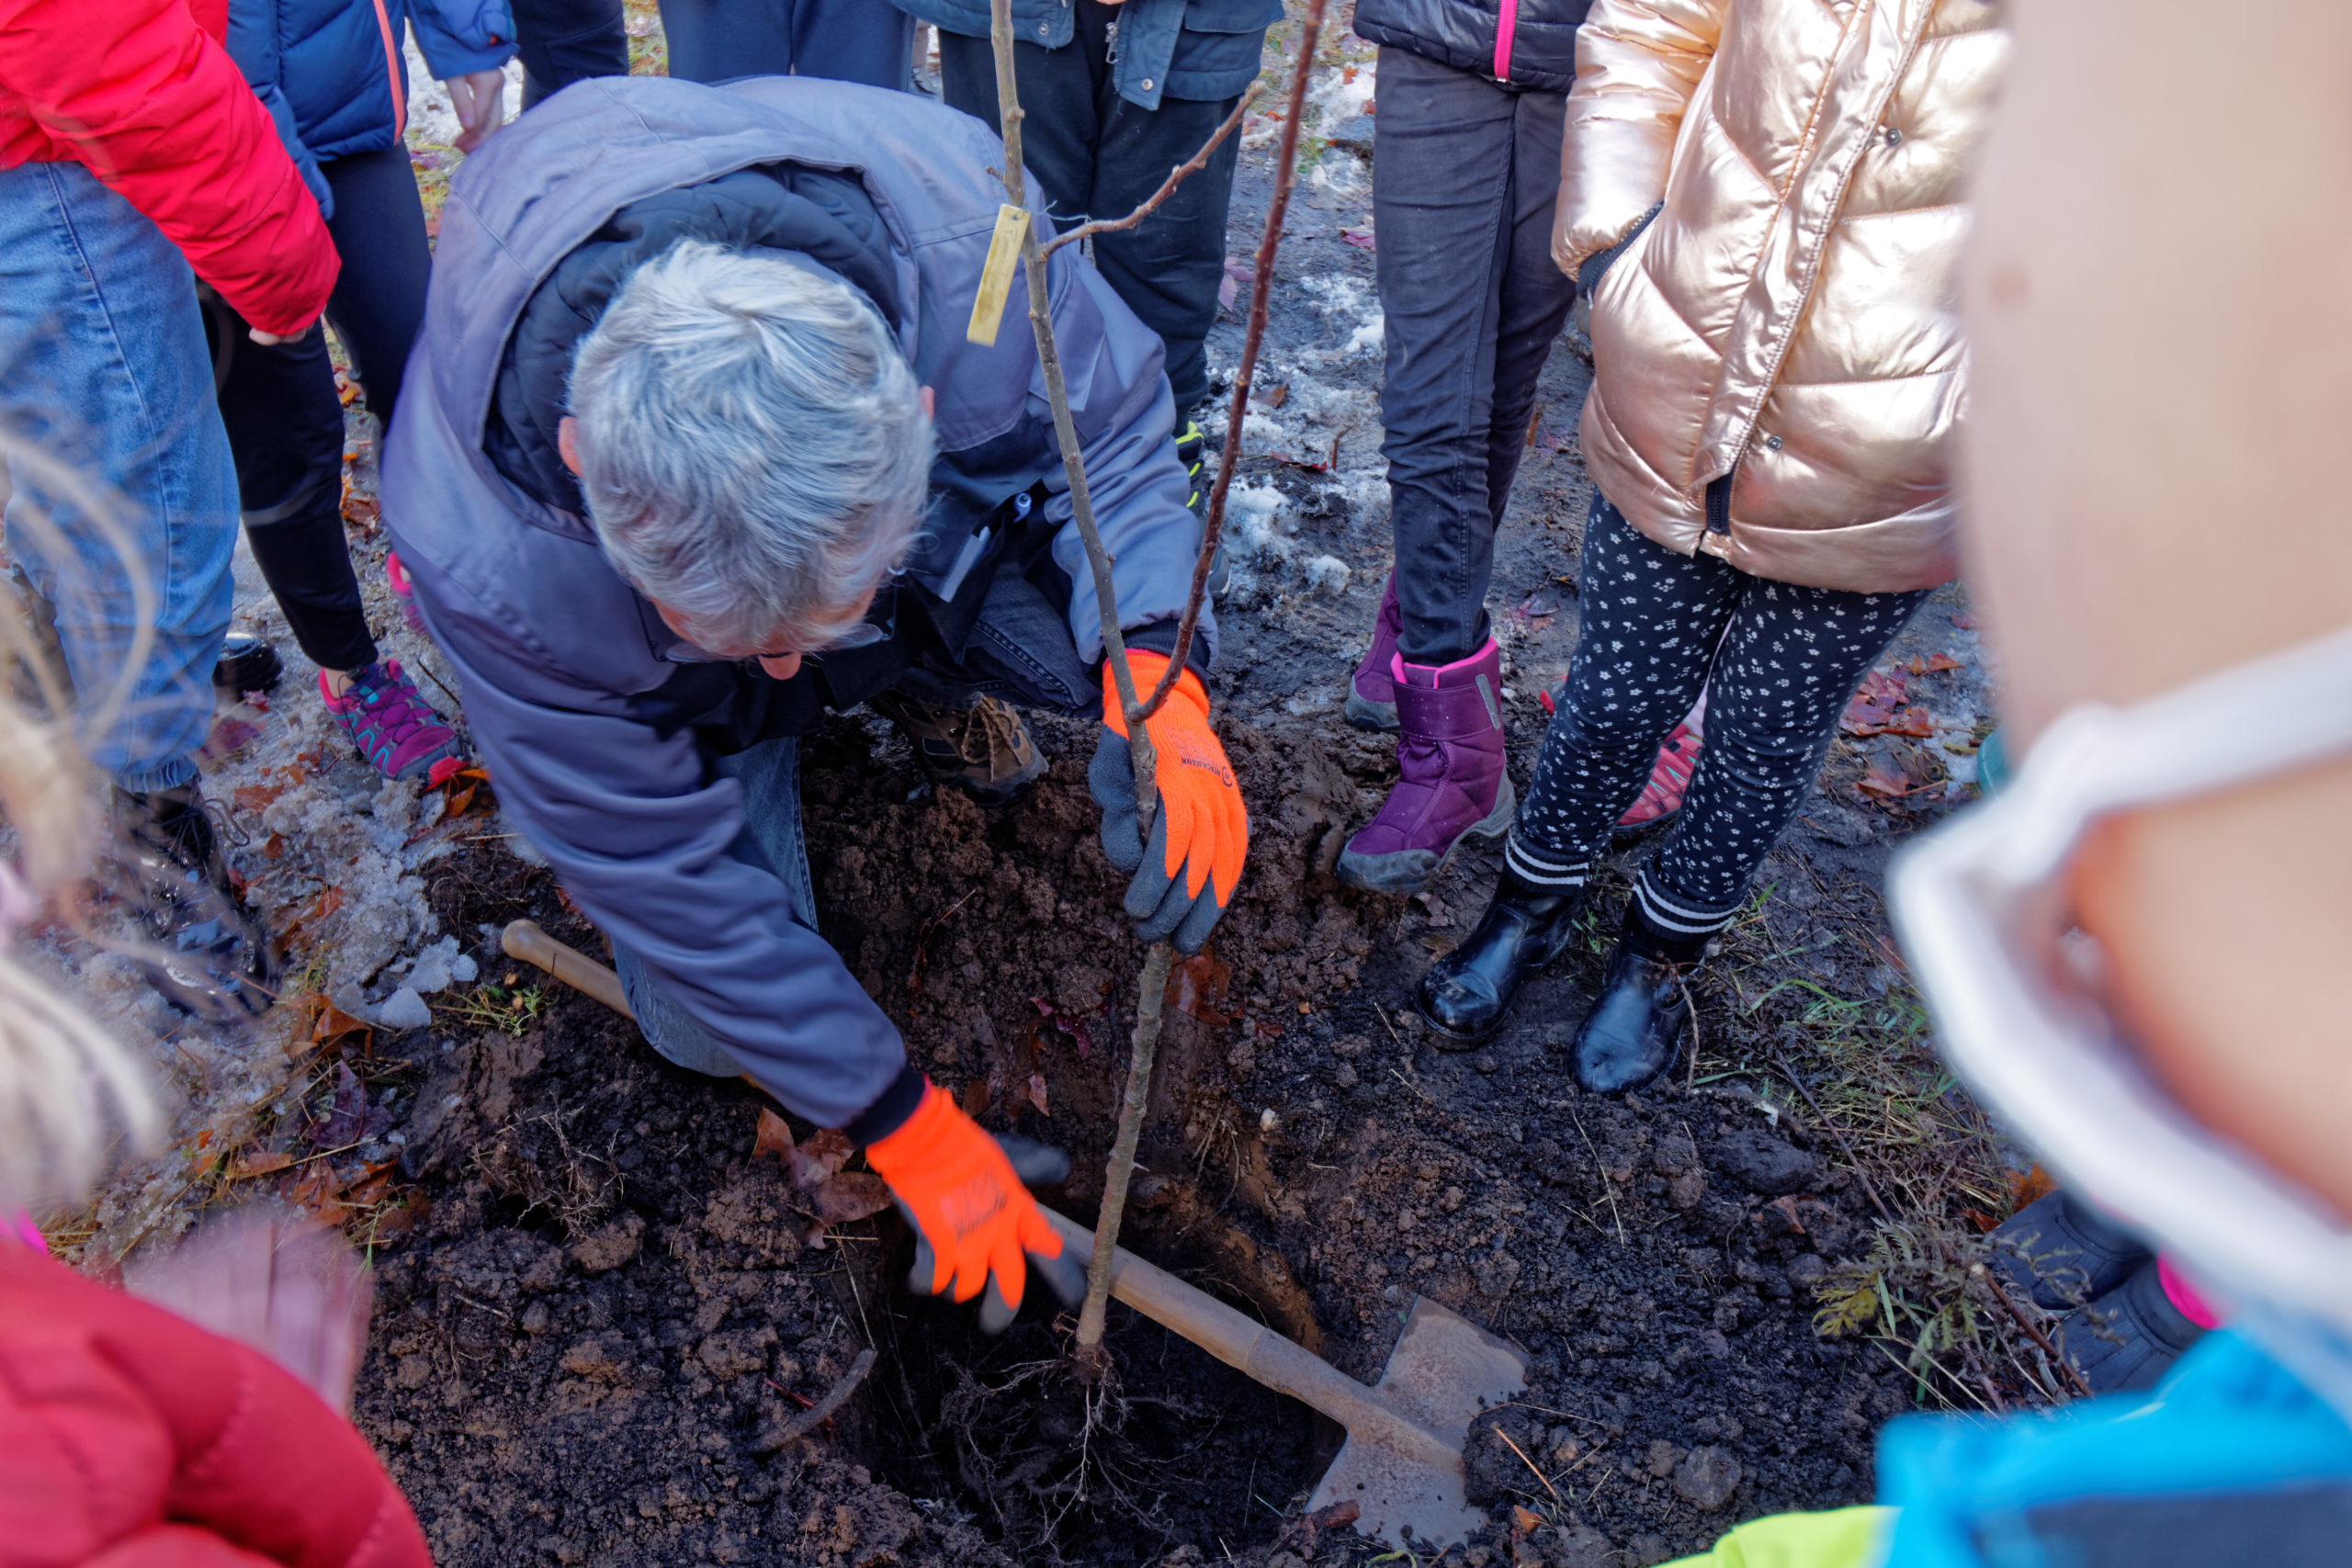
[{"x": 753, "y": 450}]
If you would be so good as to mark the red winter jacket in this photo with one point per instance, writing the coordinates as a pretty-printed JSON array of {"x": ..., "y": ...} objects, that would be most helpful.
[
  {"x": 141, "y": 92},
  {"x": 130, "y": 1438}
]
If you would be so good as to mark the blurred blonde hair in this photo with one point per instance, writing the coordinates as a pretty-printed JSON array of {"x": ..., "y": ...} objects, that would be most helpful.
[{"x": 67, "y": 1088}]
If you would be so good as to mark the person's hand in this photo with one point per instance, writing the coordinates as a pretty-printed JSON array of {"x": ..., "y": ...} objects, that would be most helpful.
[
  {"x": 1200, "y": 828},
  {"x": 274, "y": 1279},
  {"x": 975, "y": 1223},
  {"x": 479, "y": 98}
]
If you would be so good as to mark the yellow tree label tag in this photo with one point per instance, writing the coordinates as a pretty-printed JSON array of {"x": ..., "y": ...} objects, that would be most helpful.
[{"x": 996, "y": 274}]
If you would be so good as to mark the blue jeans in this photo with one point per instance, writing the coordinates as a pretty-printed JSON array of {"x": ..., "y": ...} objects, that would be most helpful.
[
  {"x": 770, "y": 774},
  {"x": 103, "y": 368}
]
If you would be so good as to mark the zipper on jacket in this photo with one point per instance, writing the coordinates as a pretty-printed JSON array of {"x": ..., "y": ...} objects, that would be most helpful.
[
  {"x": 1719, "y": 504},
  {"x": 392, "y": 74},
  {"x": 1506, "y": 24}
]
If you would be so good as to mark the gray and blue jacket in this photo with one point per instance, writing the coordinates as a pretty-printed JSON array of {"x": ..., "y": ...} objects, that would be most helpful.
[
  {"x": 601, "y": 728},
  {"x": 1205, "y": 50}
]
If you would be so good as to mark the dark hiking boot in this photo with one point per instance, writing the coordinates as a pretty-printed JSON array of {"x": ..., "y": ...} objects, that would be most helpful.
[
  {"x": 247, "y": 663},
  {"x": 1451, "y": 783},
  {"x": 207, "y": 955},
  {"x": 1634, "y": 1029},
  {"x": 2126, "y": 1340},
  {"x": 986, "y": 750},
  {"x": 2062, "y": 1253},
  {"x": 1465, "y": 994},
  {"x": 1372, "y": 690},
  {"x": 1192, "y": 451}
]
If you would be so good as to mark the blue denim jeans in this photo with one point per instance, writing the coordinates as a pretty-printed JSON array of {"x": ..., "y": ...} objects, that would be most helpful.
[
  {"x": 124, "y": 514},
  {"x": 769, "y": 774}
]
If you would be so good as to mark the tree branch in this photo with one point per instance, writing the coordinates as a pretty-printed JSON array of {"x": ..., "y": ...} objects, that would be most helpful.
[
  {"x": 1285, "y": 172},
  {"x": 1176, "y": 176}
]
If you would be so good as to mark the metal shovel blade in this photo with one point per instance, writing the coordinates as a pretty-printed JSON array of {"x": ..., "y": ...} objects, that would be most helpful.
[{"x": 1445, "y": 1369}]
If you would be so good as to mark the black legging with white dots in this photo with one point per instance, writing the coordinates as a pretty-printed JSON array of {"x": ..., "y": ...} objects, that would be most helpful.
[{"x": 1778, "y": 663}]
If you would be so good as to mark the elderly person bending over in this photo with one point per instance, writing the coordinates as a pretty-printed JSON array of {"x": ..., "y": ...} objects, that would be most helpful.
[{"x": 695, "y": 449}]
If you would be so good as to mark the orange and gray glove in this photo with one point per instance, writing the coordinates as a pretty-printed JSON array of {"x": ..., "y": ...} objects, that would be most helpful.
[
  {"x": 974, "y": 1221},
  {"x": 1200, "y": 836}
]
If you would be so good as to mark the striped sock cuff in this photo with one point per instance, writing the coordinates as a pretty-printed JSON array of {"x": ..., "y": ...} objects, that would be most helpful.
[
  {"x": 1543, "y": 868},
  {"x": 1673, "y": 919}
]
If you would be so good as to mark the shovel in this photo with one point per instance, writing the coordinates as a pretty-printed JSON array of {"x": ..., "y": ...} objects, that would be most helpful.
[{"x": 1402, "y": 1462}]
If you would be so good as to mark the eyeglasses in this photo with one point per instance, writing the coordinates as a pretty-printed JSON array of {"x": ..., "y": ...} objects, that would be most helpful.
[{"x": 865, "y": 633}]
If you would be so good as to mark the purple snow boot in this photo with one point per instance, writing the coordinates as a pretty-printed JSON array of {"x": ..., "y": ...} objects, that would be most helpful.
[
  {"x": 1451, "y": 780},
  {"x": 1372, "y": 693}
]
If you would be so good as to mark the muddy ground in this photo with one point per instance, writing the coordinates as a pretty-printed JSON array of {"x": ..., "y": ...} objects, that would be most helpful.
[
  {"x": 592, "y": 1348},
  {"x": 600, "y": 1310}
]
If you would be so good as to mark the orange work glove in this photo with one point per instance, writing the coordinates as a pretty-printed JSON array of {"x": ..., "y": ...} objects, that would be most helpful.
[
  {"x": 974, "y": 1221},
  {"x": 1202, "y": 829}
]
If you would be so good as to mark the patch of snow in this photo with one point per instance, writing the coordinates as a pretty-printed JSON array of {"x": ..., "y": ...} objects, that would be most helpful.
[
  {"x": 1337, "y": 97},
  {"x": 404, "y": 1009},
  {"x": 1325, "y": 574}
]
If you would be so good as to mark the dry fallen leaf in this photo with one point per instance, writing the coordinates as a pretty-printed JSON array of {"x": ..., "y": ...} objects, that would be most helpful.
[
  {"x": 814, "y": 1162},
  {"x": 975, "y": 1099},
  {"x": 1196, "y": 986},
  {"x": 773, "y": 1138},
  {"x": 853, "y": 1195},
  {"x": 259, "y": 1163},
  {"x": 1037, "y": 1093}
]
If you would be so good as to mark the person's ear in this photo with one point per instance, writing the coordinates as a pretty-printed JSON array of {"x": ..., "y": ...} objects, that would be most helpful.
[
  {"x": 567, "y": 442},
  {"x": 928, "y": 410}
]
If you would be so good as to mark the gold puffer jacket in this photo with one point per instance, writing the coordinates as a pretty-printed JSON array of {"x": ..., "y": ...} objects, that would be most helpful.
[{"x": 1791, "y": 316}]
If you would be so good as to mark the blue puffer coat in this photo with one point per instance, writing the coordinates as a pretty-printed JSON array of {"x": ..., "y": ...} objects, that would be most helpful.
[
  {"x": 333, "y": 72},
  {"x": 1531, "y": 43}
]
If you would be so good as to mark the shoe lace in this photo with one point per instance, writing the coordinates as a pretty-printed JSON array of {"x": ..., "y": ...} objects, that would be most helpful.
[
  {"x": 996, "y": 728},
  {"x": 391, "y": 700}
]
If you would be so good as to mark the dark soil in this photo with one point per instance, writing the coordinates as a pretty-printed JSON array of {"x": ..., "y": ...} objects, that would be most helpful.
[{"x": 588, "y": 1353}]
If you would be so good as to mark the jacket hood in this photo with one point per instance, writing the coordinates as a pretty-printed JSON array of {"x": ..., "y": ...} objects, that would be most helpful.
[
  {"x": 815, "y": 217},
  {"x": 520, "y": 206}
]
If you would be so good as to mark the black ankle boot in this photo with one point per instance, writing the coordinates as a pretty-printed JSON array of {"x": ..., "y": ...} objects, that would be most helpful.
[
  {"x": 205, "y": 953},
  {"x": 1634, "y": 1029},
  {"x": 1465, "y": 994}
]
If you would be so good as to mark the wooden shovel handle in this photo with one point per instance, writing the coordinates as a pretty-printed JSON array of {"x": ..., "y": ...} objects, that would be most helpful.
[
  {"x": 1265, "y": 1356},
  {"x": 525, "y": 940}
]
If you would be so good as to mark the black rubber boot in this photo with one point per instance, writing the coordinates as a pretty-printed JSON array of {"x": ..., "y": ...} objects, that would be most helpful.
[
  {"x": 209, "y": 957},
  {"x": 2062, "y": 1253},
  {"x": 1465, "y": 994},
  {"x": 247, "y": 663},
  {"x": 1634, "y": 1029},
  {"x": 2126, "y": 1339}
]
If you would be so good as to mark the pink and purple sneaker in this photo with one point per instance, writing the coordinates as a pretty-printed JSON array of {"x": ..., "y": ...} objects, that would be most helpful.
[
  {"x": 388, "y": 721},
  {"x": 404, "y": 594}
]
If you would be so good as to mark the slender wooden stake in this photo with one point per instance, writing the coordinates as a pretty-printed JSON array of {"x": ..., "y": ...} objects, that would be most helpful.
[
  {"x": 1050, "y": 361},
  {"x": 1091, "y": 1359},
  {"x": 1285, "y": 171}
]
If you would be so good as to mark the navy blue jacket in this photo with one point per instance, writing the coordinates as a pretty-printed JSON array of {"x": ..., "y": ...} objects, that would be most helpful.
[
  {"x": 333, "y": 71},
  {"x": 600, "y": 726},
  {"x": 1202, "y": 51},
  {"x": 1469, "y": 36}
]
